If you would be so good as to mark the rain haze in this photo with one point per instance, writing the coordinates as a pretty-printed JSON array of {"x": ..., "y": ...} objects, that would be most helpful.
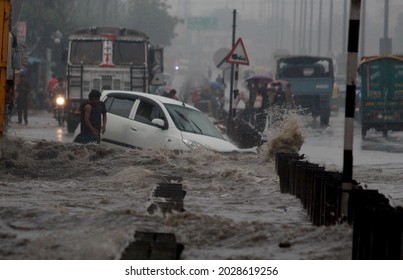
[{"x": 63, "y": 200}]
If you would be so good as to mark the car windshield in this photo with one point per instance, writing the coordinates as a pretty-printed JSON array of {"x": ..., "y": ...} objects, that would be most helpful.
[
  {"x": 301, "y": 67},
  {"x": 193, "y": 121}
]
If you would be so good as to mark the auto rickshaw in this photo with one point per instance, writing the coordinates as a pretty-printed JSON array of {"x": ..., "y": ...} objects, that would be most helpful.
[{"x": 381, "y": 105}]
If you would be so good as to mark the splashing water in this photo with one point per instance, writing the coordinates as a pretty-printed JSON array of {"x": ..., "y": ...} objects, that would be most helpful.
[{"x": 287, "y": 137}]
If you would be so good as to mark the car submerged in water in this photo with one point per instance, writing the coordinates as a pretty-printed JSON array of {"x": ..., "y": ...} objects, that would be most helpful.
[{"x": 142, "y": 120}]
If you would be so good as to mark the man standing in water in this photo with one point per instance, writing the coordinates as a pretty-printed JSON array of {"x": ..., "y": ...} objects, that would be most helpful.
[
  {"x": 91, "y": 124},
  {"x": 23, "y": 90}
]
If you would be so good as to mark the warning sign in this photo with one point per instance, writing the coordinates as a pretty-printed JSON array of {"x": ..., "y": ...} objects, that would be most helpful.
[{"x": 238, "y": 54}]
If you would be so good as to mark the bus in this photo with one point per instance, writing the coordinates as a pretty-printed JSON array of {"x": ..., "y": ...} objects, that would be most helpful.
[{"x": 108, "y": 58}]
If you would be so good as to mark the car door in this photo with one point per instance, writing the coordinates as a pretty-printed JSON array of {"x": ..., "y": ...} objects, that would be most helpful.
[
  {"x": 119, "y": 108},
  {"x": 142, "y": 133}
]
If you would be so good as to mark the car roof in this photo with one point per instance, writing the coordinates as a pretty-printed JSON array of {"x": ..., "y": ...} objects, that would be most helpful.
[{"x": 154, "y": 97}]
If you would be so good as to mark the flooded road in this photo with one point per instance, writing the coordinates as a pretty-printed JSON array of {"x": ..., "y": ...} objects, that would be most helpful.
[{"x": 61, "y": 200}]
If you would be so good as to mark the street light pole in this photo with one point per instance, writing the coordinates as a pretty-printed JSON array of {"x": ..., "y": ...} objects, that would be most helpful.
[
  {"x": 386, "y": 42},
  {"x": 344, "y": 47},
  {"x": 319, "y": 26},
  {"x": 294, "y": 30},
  {"x": 386, "y": 20},
  {"x": 363, "y": 24},
  {"x": 330, "y": 28},
  {"x": 310, "y": 29}
]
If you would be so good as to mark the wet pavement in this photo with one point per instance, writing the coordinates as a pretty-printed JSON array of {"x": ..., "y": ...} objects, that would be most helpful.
[{"x": 41, "y": 125}]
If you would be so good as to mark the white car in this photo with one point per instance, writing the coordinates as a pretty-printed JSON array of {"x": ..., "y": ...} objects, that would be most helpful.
[{"x": 142, "y": 120}]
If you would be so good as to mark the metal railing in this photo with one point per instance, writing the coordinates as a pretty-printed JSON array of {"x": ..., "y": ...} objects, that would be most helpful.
[{"x": 377, "y": 226}]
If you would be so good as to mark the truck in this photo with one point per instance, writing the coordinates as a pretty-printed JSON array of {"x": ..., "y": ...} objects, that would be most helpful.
[
  {"x": 311, "y": 79},
  {"x": 108, "y": 58},
  {"x": 381, "y": 100}
]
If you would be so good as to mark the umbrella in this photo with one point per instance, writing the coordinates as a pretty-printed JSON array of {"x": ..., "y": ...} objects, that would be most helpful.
[
  {"x": 215, "y": 85},
  {"x": 283, "y": 83},
  {"x": 259, "y": 77},
  {"x": 163, "y": 89}
]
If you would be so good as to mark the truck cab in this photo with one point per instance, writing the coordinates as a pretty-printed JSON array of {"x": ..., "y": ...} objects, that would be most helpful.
[
  {"x": 109, "y": 58},
  {"x": 311, "y": 80}
]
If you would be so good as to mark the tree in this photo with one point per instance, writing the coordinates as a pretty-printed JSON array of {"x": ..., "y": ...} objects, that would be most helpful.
[
  {"x": 152, "y": 18},
  {"x": 148, "y": 16},
  {"x": 45, "y": 17}
]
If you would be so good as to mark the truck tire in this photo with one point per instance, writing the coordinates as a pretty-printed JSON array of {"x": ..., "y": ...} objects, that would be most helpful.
[{"x": 324, "y": 118}]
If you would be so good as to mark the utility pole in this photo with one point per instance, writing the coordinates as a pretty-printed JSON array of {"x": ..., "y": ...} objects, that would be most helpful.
[
  {"x": 231, "y": 95},
  {"x": 351, "y": 76}
]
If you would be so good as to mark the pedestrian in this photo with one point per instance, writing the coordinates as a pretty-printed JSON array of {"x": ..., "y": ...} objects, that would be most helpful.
[
  {"x": 23, "y": 90},
  {"x": 253, "y": 88},
  {"x": 52, "y": 82},
  {"x": 172, "y": 94},
  {"x": 93, "y": 119},
  {"x": 261, "y": 111},
  {"x": 9, "y": 102}
]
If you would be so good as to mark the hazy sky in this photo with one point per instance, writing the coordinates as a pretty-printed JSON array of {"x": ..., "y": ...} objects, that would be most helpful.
[
  {"x": 322, "y": 39},
  {"x": 260, "y": 9},
  {"x": 253, "y": 8},
  {"x": 248, "y": 8}
]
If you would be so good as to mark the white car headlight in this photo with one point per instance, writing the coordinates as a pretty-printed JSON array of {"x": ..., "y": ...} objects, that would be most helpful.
[{"x": 193, "y": 144}]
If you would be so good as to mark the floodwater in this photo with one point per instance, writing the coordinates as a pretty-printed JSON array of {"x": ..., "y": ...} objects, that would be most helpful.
[{"x": 61, "y": 200}]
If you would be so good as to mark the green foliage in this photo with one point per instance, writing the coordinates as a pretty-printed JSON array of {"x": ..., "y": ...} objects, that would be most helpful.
[
  {"x": 44, "y": 17},
  {"x": 151, "y": 17}
]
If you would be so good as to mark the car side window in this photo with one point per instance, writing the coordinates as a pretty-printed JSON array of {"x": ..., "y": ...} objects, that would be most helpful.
[
  {"x": 120, "y": 106},
  {"x": 108, "y": 102},
  {"x": 147, "y": 111}
]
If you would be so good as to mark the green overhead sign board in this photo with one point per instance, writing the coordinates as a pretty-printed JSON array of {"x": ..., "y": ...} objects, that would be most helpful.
[{"x": 201, "y": 23}]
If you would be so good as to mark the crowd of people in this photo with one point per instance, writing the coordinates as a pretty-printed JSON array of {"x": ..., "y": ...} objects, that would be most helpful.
[{"x": 265, "y": 96}]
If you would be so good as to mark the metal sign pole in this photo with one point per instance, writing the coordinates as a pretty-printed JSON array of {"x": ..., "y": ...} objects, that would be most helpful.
[
  {"x": 231, "y": 96},
  {"x": 351, "y": 76},
  {"x": 236, "y": 92}
]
